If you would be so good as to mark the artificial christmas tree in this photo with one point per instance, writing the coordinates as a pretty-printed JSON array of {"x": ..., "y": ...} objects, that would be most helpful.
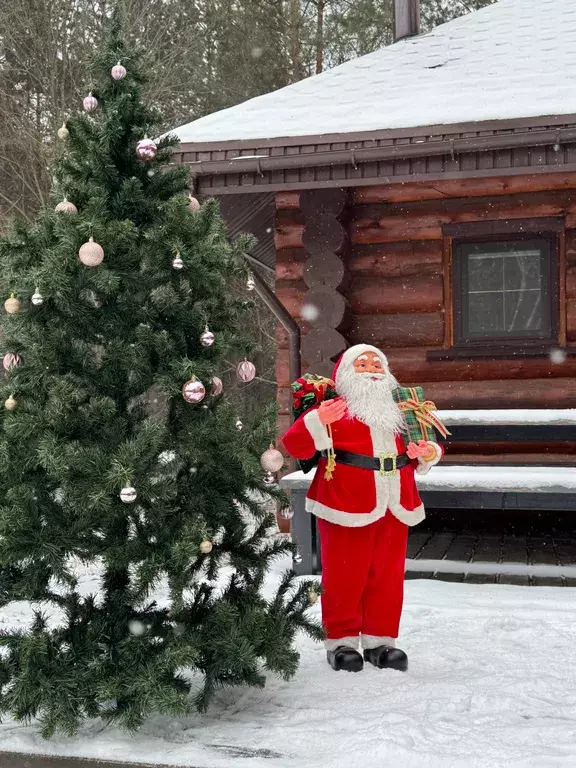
[{"x": 113, "y": 303}]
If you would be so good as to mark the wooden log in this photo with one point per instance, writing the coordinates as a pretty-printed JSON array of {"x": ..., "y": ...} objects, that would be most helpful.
[
  {"x": 405, "y": 330},
  {"x": 287, "y": 200},
  {"x": 441, "y": 189},
  {"x": 324, "y": 234},
  {"x": 291, "y": 294},
  {"x": 323, "y": 202},
  {"x": 370, "y": 296},
  {"x": 284, "y": 400},
  {"x": 527, "y": 393},
  {"x": 326, "y": 307},
  {"x": 327, "y": 269},
  {"x": 571, "y": 247},
  {"x": 322, "y": 344},
  {"x": 288, "y": 236},
  {"x": 571, "y": 320},
  {"x": 410, "y": 366},
  {"x": 571, "y": 283},
  {"x": 290, "y": 263},
  {"x": 401, "y": 259},
  {"x": 282, "y": 336}
]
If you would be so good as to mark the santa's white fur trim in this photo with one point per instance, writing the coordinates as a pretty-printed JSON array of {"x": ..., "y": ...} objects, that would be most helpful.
[
  {"x": 425, "y": 466},
  {"x": 361, "y": 519},
  {"x": 347, "y": 642},
  {"x": 373, "y": 641},
  {"x": 317, "y": 430},
  {"x": 348, "y": 357}
]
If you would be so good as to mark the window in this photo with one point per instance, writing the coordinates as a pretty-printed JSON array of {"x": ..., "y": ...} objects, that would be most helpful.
[{"x": 505, "y": 290}]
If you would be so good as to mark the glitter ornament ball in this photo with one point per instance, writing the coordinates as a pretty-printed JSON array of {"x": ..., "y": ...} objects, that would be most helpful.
[
  {"x": 286, "y": 513},
  {"x": 37, "y": 298},
  {"x": 193, "y": 204},
  {"x": 118, "y": 72},
  {"x": 11, "y": 360},
  {"x": 250, "y": 283},
  {"x": 207, "y": 338},
  {"x": 206, "y": 547},
  {"x": 239, "y": 425},
  {"x": 63, "y": 132},
  {"x": 12, "y": 305},
  {"x": 193, "y": 391},
  {"x": 177, "y": 263},
  {"x": 90, "y": 103},
  {"x": 272, "y": 460},
  {"x": 128, "y": 494},
  {"x": 146, "y": 149},
  {"x": 10, "y": 404},
  {"x": 245, "y": 371},
  {"x": 268, "y": 478},
  {"x": 217, "y": 386},
  {"x": 66, "y": 207},
  {"x": 91, "y": 254}
]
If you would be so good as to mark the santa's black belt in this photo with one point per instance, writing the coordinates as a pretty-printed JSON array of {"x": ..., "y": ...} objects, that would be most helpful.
[{"x": 385, "y": 463}]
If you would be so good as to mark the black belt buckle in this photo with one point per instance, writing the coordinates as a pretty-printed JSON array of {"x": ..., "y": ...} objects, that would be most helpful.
[{"x": 383, "y": 458}]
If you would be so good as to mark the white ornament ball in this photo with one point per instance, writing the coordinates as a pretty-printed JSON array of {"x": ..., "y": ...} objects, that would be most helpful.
[
  {"x": 207, "y": 338},
  {"x": 63, "y": 132},
  {"x": 250, "y": 283},
  {"x": 193, "y": 204},
  {"x": 217, "y": 386},
  {"x": 37, "y": 298},
  {"x": 272, "y": 460},
  {"x": 118, "y": 72},
  {"x": 128, "y": 494},
  {"x": 239, "y": 425},
  {"x": 177, "y": 262},
  {"x": 12, "y": 305},
  {"x": 10, "y": 404},
  {"x": 206, "y": 547},
  {"x": 90, "y": 103},
  {"x": 146, "y": 149},
  {"x": 286, "y": 513},
  {"x": 246, "y": 371},
  {"x": 193, "y": 391},
  {"x": 91, "y": 254},
  {"x": 269, "y": 478},
  {"x": 66, "y": 207},
  {"x": 11, "y": 360}
]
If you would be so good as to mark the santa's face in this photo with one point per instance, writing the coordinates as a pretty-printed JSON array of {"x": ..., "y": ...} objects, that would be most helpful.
[{"x": 367, "y": 386}]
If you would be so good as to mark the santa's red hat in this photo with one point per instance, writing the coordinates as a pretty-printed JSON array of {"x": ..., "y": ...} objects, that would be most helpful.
[{"x": 346, "y": 359}]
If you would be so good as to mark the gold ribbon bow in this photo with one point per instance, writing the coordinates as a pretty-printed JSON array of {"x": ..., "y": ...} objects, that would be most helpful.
[{"x": 424, "y": 413}]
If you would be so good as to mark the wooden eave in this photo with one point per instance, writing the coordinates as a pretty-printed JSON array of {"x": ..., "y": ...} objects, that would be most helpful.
[{"x": 495, "y": 148}]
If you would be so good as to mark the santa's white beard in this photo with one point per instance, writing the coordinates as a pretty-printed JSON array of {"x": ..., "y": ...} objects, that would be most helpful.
[{"x": 369, "y": 399}]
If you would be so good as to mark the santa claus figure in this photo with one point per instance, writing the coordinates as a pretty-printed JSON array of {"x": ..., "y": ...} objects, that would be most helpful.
[{"x": 364, "y": 496}]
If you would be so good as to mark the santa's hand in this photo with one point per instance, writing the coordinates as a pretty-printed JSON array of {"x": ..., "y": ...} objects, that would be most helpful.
[
  {"x": 422, "y": 450},
  {"x": 331, "y": 411}
]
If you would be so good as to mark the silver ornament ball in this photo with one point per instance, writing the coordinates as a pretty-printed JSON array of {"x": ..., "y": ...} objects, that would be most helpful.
[
  {"x": 207, "y": 338},
  {"x": 239, "y": 425},
  {"x": 37, "y": 298},
  {"x": 128, "y": 494},
  {"x": 177, "y": 263}
]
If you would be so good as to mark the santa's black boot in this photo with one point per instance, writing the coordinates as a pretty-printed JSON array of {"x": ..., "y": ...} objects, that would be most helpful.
[
  {"x": 385, "y": 657},
  {"x": 345, "y": 658}
]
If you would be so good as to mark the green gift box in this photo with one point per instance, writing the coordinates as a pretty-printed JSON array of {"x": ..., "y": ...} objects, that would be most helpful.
[{"x": 419, "y": 414}]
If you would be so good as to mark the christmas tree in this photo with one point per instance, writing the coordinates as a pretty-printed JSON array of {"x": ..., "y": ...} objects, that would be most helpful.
[{"x": 122, "y": 290}]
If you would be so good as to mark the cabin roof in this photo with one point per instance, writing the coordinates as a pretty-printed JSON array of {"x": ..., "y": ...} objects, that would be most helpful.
[{"x": 511, "y": 60}]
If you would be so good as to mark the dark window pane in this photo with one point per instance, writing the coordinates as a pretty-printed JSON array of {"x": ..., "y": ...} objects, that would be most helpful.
[
  {"x": 522, "y": 270},
  {"x": 485, "y": 314},
  {"x": 523, "y": 311},
  {"x": 485, "y": 272}
]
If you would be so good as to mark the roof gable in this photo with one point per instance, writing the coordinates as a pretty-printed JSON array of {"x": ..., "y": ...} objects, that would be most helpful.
[{"x": 513, "y": 59}]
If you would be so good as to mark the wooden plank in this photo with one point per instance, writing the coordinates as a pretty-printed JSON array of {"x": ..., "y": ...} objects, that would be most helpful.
[
  {"x": 400, "y": 259},
  {"x": 290, "y": 264},
  {"x": 562, "y": 278},
  {"x": 397, "y": 330},
  {"x": 368, "y": 296},
  {"x": 291, "y": 294},
  {"x": 447, "y": 292},
  {"x": 571, "y": 319},
  {"x": 534, "y": 393}
]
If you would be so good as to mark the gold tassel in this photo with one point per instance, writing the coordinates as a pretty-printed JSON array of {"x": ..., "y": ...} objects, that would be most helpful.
[{"x": 331, "y": 462}]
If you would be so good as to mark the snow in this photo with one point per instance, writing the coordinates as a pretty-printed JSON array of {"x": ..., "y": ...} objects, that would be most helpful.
[
  {"x": 509, "y": 416},
  {"x": 488, "y": 478},
  {"x": 491, "y": 684},
  {"x": 513, "y": 59}
]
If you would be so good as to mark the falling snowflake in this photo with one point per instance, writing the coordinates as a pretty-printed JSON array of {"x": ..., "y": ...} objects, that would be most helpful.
[
  {"x": 310, "y": 312},
  {"x": 136, "y": 628},
  {"x": 256, "y": 52},
  {"x": 557, "y": 356}
]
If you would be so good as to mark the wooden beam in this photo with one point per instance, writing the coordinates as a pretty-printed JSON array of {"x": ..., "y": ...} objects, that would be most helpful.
[{"x": 419, "y": 293}]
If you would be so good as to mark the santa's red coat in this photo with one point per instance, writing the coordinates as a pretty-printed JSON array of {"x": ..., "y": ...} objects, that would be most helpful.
[{"x": 354, "y": 496}]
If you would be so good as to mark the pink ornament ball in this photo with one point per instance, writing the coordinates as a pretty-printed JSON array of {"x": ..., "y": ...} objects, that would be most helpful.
[
  {"x": 193, "y": 204},
  {"x": 66, "y": 207},
  {"x": 272, "y": 460},
  {"x": 193, "y": 391},
  {"x": 217, "y": 386},
  {"x": 11, "y": 360},
  {"x": 91, "y": 254},
  {"x": 90, "y": 103},
  {"x": 246, "y": 371},
  {"x": 146, "y": 149},
  {"x": 118, "y": 72}
]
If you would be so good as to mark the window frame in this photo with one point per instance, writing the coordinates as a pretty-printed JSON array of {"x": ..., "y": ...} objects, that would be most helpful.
[{"x": 550, "y": 291}]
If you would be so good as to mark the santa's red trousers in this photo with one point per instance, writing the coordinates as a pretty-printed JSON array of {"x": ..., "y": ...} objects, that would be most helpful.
[{"x": 363, "y": 578}]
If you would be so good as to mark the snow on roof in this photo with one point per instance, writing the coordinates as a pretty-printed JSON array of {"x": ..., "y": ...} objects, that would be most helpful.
[{"x": 513, "y": 59}]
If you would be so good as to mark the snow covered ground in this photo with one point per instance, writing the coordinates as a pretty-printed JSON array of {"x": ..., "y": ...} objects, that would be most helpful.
[{"x": 492, "y": 683}]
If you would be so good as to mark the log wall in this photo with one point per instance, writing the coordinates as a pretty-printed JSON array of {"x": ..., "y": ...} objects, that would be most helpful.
[{"x": 397, "y": 285}]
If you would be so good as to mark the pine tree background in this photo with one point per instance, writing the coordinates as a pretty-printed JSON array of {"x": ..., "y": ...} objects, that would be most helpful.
[{"x": 104, "y": 343}]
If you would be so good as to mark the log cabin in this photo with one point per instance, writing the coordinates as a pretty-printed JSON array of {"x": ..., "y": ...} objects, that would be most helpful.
[{"x": 421, "y": 198}]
